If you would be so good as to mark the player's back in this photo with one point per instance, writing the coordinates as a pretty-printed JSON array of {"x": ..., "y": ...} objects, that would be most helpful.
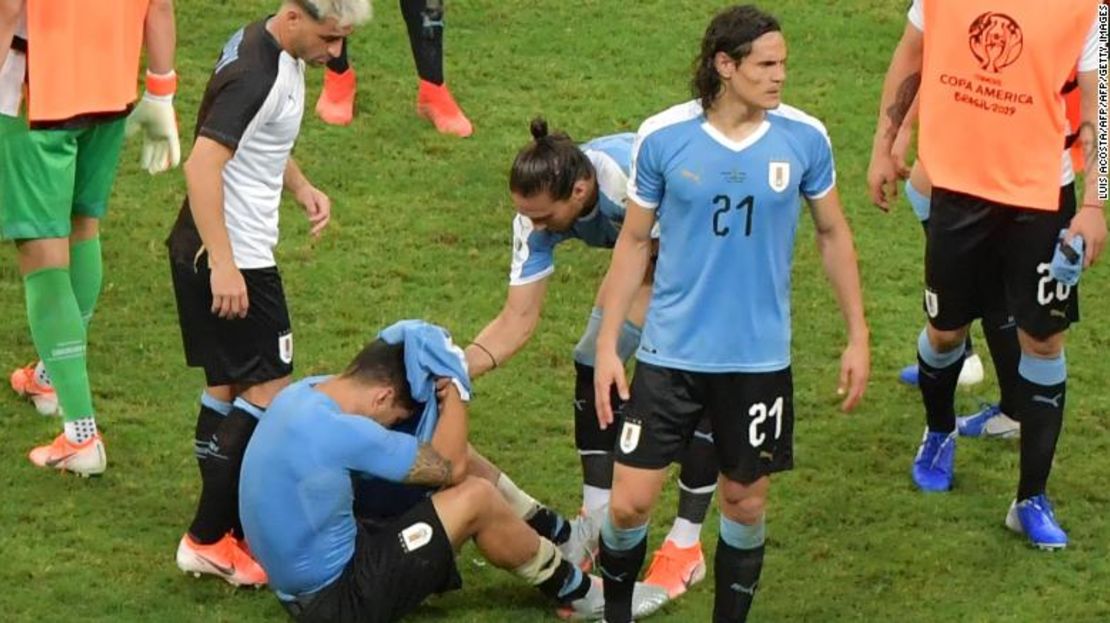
[{"x": 727, "y": 213}]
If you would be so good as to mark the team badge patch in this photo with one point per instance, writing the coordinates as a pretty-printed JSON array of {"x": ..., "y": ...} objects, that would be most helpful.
[
  {"x": 415, "y": 536},
  {"x": 630, "y": 435},
  {"x": 285, "y": 348},
  {"x": 932, "y": 306},
  {"x": 778, "y": 175}
]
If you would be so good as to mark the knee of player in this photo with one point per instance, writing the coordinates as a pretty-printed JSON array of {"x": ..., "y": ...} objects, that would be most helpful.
[
  {"x": 945, "y": 341},
  {"x": 630, "y": 510},
  {"x": 1043, "y": 347},
  {"x": 740, "y": 503}
]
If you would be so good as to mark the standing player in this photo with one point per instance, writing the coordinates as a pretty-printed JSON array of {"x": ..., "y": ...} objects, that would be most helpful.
[
  {"x": 58, "y": 160},
  {"x": 723, "y": 176},
  {"x": 565, "y": 192},
  {"x": 434, "y": 102},
  {"x": 230, "y": 302},
  {"x": 1001, "y": 228}
]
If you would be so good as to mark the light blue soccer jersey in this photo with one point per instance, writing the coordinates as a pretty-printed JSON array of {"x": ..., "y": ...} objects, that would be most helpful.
[
  {"x": 295, "y": 487},
  {"x": 534, "y": 250},
  {"x": 727, "y": 214}
]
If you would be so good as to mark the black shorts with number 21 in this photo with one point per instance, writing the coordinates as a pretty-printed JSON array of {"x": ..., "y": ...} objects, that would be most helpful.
[{"x": 752, "y": 415}]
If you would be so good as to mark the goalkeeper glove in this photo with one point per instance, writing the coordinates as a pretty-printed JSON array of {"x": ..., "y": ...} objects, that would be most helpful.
[
  {"x": 1067, "y": 261},
  {"x": 155, "y": 118}
]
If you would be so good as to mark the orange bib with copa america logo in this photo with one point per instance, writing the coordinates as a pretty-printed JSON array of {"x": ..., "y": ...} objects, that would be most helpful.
[
  {"x": 992, "y": 117},
  {"x": 82, "y": 56}
]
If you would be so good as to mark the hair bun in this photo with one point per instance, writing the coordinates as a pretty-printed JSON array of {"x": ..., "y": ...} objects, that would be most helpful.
[{"x": 538, "y": 128}]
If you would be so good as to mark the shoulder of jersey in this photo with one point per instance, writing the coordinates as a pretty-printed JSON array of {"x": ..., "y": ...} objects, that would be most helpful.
[
  {"x": 676, "y": 114},
  {"x": 792, "y": 115}
]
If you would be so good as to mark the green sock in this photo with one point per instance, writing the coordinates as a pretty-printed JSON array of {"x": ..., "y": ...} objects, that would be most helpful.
[
  {"x": 86, "y": 273},
  {"x": 59, "y": 338}
]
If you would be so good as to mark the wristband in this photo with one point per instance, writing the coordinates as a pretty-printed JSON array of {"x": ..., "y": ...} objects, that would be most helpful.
[{"x": 161, "y": 85}]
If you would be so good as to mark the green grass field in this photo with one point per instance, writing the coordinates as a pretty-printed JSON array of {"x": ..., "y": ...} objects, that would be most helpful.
[{"x": 421, "y": 229}]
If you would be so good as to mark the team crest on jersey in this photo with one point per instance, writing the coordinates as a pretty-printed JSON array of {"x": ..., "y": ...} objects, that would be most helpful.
[
  {"x": 778, "y": 175},
  {"x": 415, "y": 536},
  {"x": 630, "y": 435},
  {"x": 932, "y": 305},
  {"x": 285, "y": 347}
]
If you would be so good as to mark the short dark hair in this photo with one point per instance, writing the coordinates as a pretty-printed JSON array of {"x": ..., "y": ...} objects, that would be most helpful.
[
  {"x": 379, "y": 363},
  {"x": 550, "y": 163},
  {"x": 731, "y": 31}
]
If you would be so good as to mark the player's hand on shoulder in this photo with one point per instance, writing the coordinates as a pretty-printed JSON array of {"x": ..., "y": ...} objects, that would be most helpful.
[
  {"x": 317, "y": 206},
  {"x": 229, "y": 292},
  {"x": 608, "y": 373},
  {"x": 855, "y": 369}
]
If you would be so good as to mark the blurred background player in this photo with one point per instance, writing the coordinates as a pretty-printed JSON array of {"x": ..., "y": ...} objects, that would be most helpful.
[
  {"x": 562, "y": 192},
  {"x": 1000, "y": 226},
  {"x": 724, "y": 177},
  {"x": 231, "y": 303},
  {"x": 424, "y": 22},
  {"x": 59, "y": 151}
]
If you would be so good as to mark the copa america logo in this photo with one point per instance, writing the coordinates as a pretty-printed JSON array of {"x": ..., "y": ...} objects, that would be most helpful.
[{"x": 995, "y": 40}]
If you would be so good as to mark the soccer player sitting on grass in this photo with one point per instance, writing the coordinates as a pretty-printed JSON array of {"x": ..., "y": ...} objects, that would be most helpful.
[{"x": 320, "y": 434}]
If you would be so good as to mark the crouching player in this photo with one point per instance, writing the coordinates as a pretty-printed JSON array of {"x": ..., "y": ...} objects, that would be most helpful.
[{"x": 297, "y": 498}]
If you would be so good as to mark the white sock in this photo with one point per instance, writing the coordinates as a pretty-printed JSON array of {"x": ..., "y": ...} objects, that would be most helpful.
[
  {"x": 80, "y": 430},
  {"x": 684, "y": 534},
  {"x": 41, "y": 377},
  {"x": 594, "y": 499},
  {"x": 523, "y": 504}
]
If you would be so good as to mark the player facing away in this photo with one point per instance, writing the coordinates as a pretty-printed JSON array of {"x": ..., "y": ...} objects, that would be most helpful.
[
  {"x": 59, "y": 152},
  {"x": 562, "y": 192},
  {"x": 723, "y": 177},
  {"x": 230, "y": 300},
  {"x": 424, "y": 21},
  {"x": 325, "y": 564},
  {"x": 1000, "y": 226}
]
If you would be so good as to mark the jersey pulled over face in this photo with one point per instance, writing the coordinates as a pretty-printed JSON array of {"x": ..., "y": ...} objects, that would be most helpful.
[
  {"x": 534, "y": 249},
  {"x": 727, "y": 214}
]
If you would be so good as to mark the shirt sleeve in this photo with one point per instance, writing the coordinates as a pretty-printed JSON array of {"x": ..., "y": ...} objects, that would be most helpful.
[
  {"x": 1088, "y": 60},
  {"x": 370, "y": 449},
  {"x": 646, "y": 182},
  {"x": 820, "y": 175},
  {"x": 236, "y": 102},
  {"x": 533, "y": 253},
  {"x": 916, "y": 15}
]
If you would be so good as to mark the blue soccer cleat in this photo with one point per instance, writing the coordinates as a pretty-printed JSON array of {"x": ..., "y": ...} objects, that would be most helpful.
[
  {"x": 1035, "y": 518},
  {"x": 908, "y": 375},
  {"x": 934, "y": 466},
  {"x": 989, "y": 422}
]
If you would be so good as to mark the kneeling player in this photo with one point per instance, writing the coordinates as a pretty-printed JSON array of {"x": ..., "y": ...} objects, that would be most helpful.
[{"x": 296, "y": 501}]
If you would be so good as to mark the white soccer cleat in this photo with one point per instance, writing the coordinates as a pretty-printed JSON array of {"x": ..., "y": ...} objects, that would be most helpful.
[
  {"x": 972, "y": 371},
  {"x": 580, "y": 549},
  {"x": 84, "y": 459}
]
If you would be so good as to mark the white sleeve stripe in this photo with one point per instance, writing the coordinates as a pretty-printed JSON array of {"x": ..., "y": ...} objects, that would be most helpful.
[
  {"x": 647, "y": 205},
  {"x": 823, "y": 192},
  {"x": 611, "y": 180},
  {"x": 1088, "y": 60},
  {"x": 516, "y": 280}
]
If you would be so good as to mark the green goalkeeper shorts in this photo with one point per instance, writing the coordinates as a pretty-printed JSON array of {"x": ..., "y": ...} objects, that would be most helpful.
[{"x": 49, "y": 176}]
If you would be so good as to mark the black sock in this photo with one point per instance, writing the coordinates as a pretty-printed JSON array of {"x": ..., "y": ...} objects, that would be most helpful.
[
  {"x": 218, "y": 508},
  {"x": 208, "y": 420},
  {"x": 340, "y": 63},
  {"x": 550, "y": 525},
  {"x": 698, "y": 478},
  {"x": 425, "y": 26},
  {"x": 1001, "y": 334},
  {"x": 938, "y": 392},
  {"x": 595, "y": 446},
  {"x": 619, "y": 570},
  {"x": 736, "y": 573},
  {"x": 566, "y": 584},
  {"x": 1042, "y": 417}
]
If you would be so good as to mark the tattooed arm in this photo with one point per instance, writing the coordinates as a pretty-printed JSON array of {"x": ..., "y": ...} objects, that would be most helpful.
[
  {"x": 430, "y": 469},
  {"x": 900, "y": 87},
  {"x": 1090, "y": 219}
]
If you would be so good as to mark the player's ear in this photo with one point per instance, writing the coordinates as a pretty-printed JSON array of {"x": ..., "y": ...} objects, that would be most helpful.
[
  {"x": 724, "y": 64},
  {"x": 581, "y": 189}
]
